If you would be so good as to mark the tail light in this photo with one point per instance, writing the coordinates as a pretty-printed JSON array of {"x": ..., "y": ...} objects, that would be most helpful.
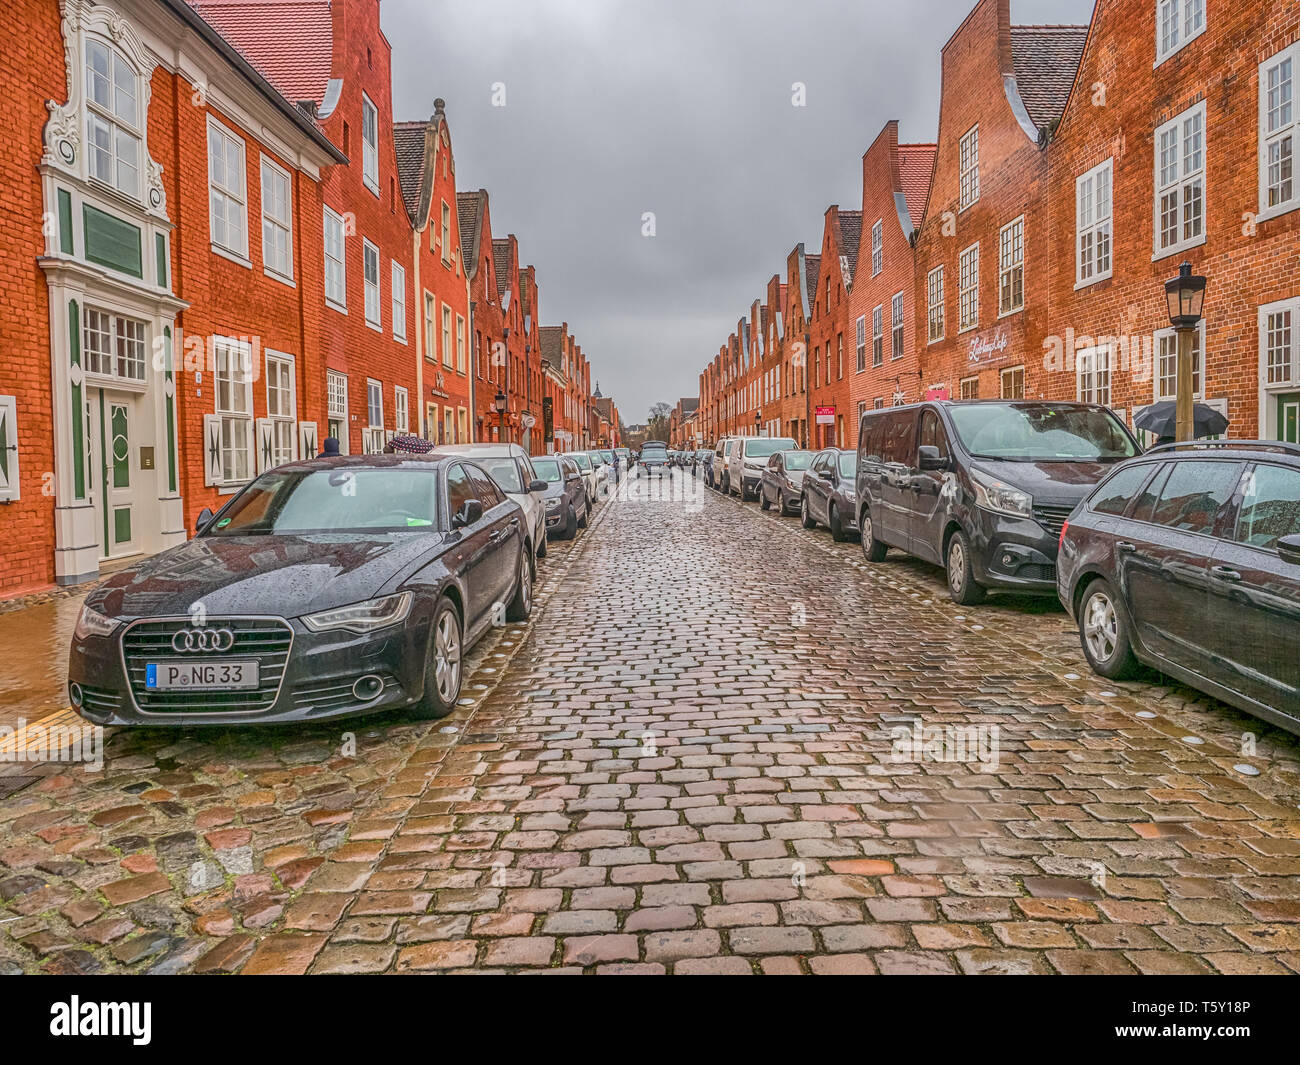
[{"x": 1060, "y": 540}]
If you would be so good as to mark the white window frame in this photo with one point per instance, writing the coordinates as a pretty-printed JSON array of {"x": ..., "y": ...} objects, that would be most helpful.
[
  {"x": 974, "y": 381},
  {"x": 123, "y": 356},
  {"x": 370, "y": 144},
  {"x": 398, "y": 295},
  {"x": 896, "y": 309},
  {"x": 1183, "y": 31},
  {"x": 232, "y": 194},
  {"x": 370, "y": 257},
  {"x": 122, "y": 129},
  {"x": 276, "y": 225},
  {"x": 336, "y": 405},
  {"x": 878, "y": 335},
  {"x": 237, "y": 413},
  {"x": 460, "y": 343},
  {"x": 1287, "y": 129},
  {"x": 860, "y": 338},
  {"x": 1003, "y": 375},
  {"x": 968, "y": 295},
  {"x": 877, "y": 246},
  {"x": 283, "y": 421},
  {"x": 1094, "y": 229},
  {"x": 1184, "y": 178},
  {"x": 1093, "y": 370},
  {"x": 934, "y": 317},
  {"x": 11, "y": 486},
  {"x": 430, "y": 326},
  {"x": 336, "y": 261},
  {"x": 446, "y": 336},
  {"x": 968, "y": 166},
  {"x": 444, "y": 231},
  {"x": 374, "y": 403},
  {"x": 1011, "y": 262},
  {"x": 1169, "y": 338},
  {"x": 401, "y": 409}
]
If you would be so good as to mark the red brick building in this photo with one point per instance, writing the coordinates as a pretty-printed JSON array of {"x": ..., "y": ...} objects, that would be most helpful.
[{"x": 829, "y": 326}]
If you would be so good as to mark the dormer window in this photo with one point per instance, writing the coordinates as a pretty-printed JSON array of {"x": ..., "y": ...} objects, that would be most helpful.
[{"x": 112, "y": 119}]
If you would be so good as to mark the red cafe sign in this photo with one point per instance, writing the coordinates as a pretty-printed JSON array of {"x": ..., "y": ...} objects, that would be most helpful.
[{"x": 824, "y": 415}]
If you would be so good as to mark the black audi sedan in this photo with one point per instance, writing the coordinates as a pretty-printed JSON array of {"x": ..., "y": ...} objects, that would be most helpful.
[
  {"x": 1188, "y": 559},
  {"x": 325, "y": 588}
]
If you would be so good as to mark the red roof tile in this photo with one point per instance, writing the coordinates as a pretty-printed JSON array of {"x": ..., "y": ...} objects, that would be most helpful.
[
  {"x": 1046, "y": 59},
  {"x": 916, "y": 168},
  {"x": 289, "y": 42},
  {"x": 408, "y": 141}
]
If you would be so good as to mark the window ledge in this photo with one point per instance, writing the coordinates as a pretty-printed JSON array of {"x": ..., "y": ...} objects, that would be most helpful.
[
  {"x": 1178, "y": 249},
  {"x": 1093, "y": 280},
  {"x": 1011, "y": 313},
  {"x": 342, "y": 308},
  {"x": 233, "y": 256},
  {"x": 377, "y": 327},
  {"x": 1278, "y": 211},
  {"x": 284, "y": 279}
]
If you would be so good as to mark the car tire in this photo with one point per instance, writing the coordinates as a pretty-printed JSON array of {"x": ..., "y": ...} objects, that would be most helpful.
[
  {"x": 586, "y": 513},
  {"x": 805, "y": 514},
  {"x": 444, "y": 666},
  {"x": 571, "y": 524},
  {"x": 763, "y": 501},
  {"x": 521, "y": 603},
  {"x": 837, "y": 527},
  {"x": 873, "y": 550},
  {"x": 541, "y": 547},
  {"x": 1104, "y": 632},
  {"x": 962, "y": 586}
]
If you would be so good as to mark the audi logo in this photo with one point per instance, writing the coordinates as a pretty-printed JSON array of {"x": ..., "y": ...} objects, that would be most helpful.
[{"x": 193, "y": 641}]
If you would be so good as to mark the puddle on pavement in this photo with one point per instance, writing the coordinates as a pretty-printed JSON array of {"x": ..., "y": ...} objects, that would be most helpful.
[{"x": 34, "y": 658}]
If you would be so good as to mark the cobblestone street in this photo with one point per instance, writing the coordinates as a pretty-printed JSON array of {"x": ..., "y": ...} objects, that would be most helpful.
[{"x": 689, "y": 761}]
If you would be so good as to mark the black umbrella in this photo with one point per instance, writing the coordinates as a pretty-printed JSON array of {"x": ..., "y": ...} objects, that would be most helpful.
[{"x": 1162, "y": 419}]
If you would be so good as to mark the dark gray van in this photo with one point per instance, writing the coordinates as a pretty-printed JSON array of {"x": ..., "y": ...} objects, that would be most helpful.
[{"x": 982, "y": 487}]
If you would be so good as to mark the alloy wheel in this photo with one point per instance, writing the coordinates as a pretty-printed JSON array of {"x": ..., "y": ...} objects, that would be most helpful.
[
  {"x": 446, "y": 669},
  {"x": 1101, "y": 626}
]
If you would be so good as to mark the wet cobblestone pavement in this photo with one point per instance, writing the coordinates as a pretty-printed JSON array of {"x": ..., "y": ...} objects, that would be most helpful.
[{"x": 688, "y": 761}]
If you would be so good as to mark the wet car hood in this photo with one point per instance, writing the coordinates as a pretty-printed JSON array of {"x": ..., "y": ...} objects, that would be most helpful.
[
  {"x": 287, "y": 576},
  {"x": 1060, "y": 483}
]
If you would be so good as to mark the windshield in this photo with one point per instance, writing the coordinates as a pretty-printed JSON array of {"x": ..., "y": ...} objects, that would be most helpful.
[
  {"x": 761, "y": 449},
  {"x": 547, "y": 469},
  {"x": 332, "y": 500},
  {"x": 606, "y": 456},
  {"x": 505, "y": 472},
  {"x": 1038, "y": 432},
  {"x": 658, "y": 453},
  {"x": 584, "y": 463},
  {"x": 848, "y": 464},
  {"x": 798, "y": 460}
]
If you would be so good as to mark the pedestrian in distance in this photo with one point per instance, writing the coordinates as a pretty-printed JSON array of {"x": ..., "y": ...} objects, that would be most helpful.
[{"x": 331, "y": 448}]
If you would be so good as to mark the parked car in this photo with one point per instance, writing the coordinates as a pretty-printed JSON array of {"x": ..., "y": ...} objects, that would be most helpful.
[
  {"x": 746, "y": 459},
  {"x": 324, "y": 588},
  {"x": 982, "y": 487},
  {"x": 567, "y": 504},
  {"x": 612, "y": 468},
  {"x": 718, "y": 462},
  {"x": 653, "y": 460},
  {"x": 782, "y": 484},
  {"x": 1188, "y": 559},
  {"x": 625, "y": 460},
  {"x": 702, "y": 457},
  {"x": 593, "y": 474},
  {"x": 830, "y": 493},
  {"x": 511, "y": 468}
]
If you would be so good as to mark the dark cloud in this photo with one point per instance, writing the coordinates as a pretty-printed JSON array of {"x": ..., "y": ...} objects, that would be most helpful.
[{"x": 615, "y": 108}]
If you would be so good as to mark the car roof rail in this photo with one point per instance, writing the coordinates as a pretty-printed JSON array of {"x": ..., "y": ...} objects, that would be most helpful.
[{"x": 1244, "y": 445}]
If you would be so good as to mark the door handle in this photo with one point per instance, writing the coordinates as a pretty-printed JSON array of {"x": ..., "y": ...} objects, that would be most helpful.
[
  {"x": 1225, "y": 573},
  {"x": 1125, "y": 548}
]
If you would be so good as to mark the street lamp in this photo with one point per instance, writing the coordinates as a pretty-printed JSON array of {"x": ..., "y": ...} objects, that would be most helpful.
[
  {"x": 1185, "y": 296},
  {"x": 499, "y": 402},
  {"x": 758, "y": 420}
]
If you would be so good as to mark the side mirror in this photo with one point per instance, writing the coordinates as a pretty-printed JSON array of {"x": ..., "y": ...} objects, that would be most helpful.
[
  {"x": 1289, "y": 548},
  {"x": 470, "y": 512},
  {"x": 203, "y": 520},
  {"x": 537, "y": 486},
  {"x": 930, "y": 459}
]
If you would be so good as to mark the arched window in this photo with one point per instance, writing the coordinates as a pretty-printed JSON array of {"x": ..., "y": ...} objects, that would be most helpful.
[{"x": 113, "y": 125}]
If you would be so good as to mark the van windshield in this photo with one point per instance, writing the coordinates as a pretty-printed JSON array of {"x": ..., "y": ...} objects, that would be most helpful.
[
  {"x": 762, "y": 448},
  {"x": 1041, "y": 432}
]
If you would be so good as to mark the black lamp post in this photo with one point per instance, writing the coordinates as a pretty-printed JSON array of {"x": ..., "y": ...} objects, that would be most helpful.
[
  {"x": 499, "y": 402},
  {"x": 1185, "y": 297},
  {"x": 758, "y": 420}
]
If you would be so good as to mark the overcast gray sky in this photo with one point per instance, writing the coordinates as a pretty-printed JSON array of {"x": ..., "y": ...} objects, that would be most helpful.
[{"x": 615, "y": 108}]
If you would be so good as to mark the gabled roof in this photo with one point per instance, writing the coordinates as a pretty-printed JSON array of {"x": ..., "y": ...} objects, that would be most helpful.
[
  {"x": 290, "y": 42},
  {"x": 849, "y": 237},
  {"x": 1046, "y": 59},
  {"x": 409, "y": 141},
  {"x": 812, "y": 265},
  {"x": 689, "y": 406},
  {"x": 552, "y": 341},
  {"x": 916, "y": 169},
  {"x": 501, "y": 259},
  {"x": 469, "y": 213}
]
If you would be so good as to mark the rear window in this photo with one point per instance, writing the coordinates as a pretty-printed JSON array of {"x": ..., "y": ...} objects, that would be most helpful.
[
  {"x": 798, "y": 460},
  {"x": 1115, "y": 492},
  {"x": 848, "y": 464}
]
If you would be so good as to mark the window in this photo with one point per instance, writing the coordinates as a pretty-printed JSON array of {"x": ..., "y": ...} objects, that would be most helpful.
[
  {"x": 969, "y": 388},
  {"x": 446, "y": 232},
  {"x": 1194, "y": 493},
  {"x": 113, "y": 125},
  {"x": 879, "y": 403},
  {"x": 460, "y": 344},
  {"x": 1278, "y": 342},
  {"x": 234, "y": 384},
  {"x": 280, "y": 407},
  {"x": 1180, "y": 182},
  {"x": 10, "y": 482},
  {"x": 374, "y": 416},
  {"x": 969, "y": 164},
  {"x": 335, "y": 266},
  {"x": 968, "y": 289},
  {"x": 369, "y": 144},
  {"x": 399, "y": 301},
  {"x": 112, "y": 345},
  {"x": 1277, "y": 126},
  {"x": 1093, "y": 368},
  {"x": 877, "y": 336},
  {"x": 370, "y": 270},
  {"x": 861, "y": 336},
  {"x": 896, "y": 325},
  {"x": 1114, "y": 495},
  {"x": 1011, "y": 266},
  {"x": 1177, "y": 22},
  {"x": 227, "y": 190},
  {"x": 877, "y": 247},
  {"x": 446, "y": 335},
  {"x": 1167, "y": 363},
  {"x": 934, "y": 304},
  {"x": 1011, "y": 382},
  {"x": 277, "y": 220},
  {"x": 430, "y": 328},
  {"x": 1270, "y": 506},
  {"x": 336, "y": 387},
  {"x": 839, "y": 356},
  {"x": 1092, "y": 222}
]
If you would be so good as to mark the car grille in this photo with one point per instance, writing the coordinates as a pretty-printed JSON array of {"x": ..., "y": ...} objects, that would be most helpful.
[
  {"x": 335, "y": 695},
  {"x": 1052, "y": 518},
  {"x": 266, "y": 639}
]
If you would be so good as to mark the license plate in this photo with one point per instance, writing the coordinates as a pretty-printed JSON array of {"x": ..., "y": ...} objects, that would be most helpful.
[{"x": 217, "y": 674}]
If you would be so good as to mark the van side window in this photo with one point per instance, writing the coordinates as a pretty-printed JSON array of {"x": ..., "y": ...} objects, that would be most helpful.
[
  {"x": 875, "y": 439},
  {"x": 932, "y": 433},
  {"x": 1194, "y": 493},
  {"x": 900, "y": 439}
]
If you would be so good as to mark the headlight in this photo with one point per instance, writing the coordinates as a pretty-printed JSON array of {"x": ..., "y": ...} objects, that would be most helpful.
[
  {"x": 992, "y": 494},
  {"x": 362, "y": 617},
  {"x": 92, "y": 623},
  {"x": 850, "y": 494},
  {"x": 553, "y": 503}
]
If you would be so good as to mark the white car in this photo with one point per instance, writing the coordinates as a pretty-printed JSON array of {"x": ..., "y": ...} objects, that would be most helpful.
[
  {"x": 510, "y": 467},
  {"x": 593, "y": 473},
  {"x": 747, "y": 459}
]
